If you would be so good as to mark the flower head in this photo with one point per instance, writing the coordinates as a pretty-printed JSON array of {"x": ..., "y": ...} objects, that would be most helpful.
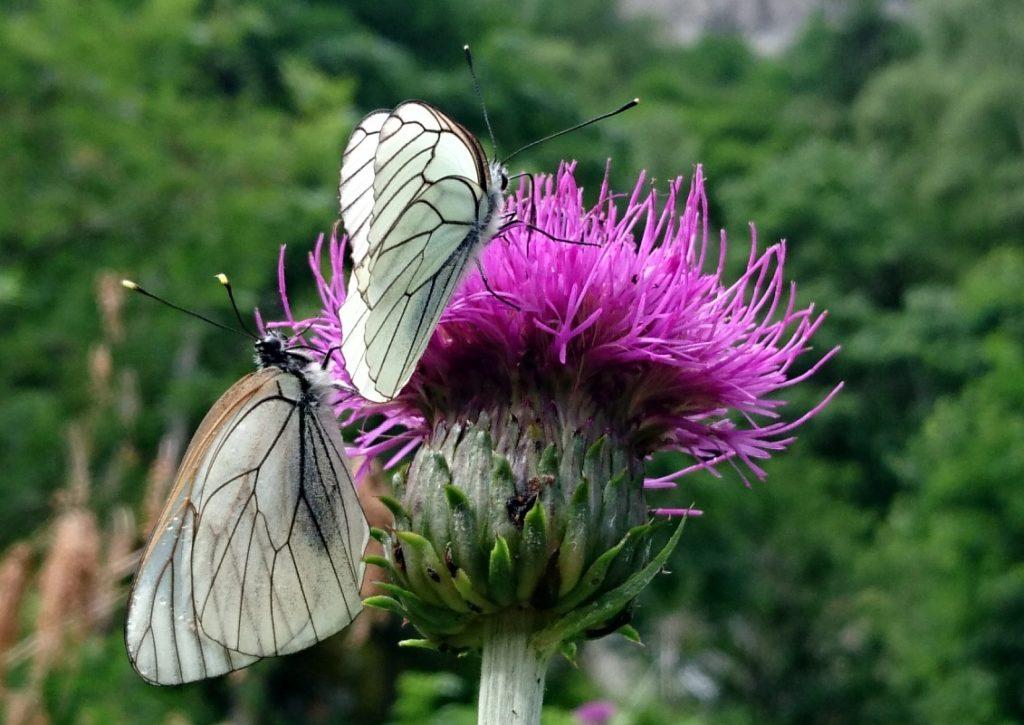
[
  {"x": 595, "y": 712},
  {"x": 621, "y": 312},
  {"x": 588, "y": 339}
]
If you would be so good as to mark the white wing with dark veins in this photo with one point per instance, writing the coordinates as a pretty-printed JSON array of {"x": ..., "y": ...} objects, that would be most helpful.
[
  {"x": 355, "y": 191},
  {"x": 259, "y": 551},
  {"x": 430, "y": 205}
]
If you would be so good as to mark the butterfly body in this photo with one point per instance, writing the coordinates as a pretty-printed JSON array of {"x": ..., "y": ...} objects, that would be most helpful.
[
  {"x": 258, "y": 551},
  {"x": 489, "y": 225}
]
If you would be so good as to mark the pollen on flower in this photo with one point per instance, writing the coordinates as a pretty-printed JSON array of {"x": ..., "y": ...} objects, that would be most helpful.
[{"x": 634, "y": 325}]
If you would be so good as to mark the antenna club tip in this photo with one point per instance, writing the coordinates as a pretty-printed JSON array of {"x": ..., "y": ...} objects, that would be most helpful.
[
  {"x": 128, "y": 284},
  {"x": 636, "y": 101},
  {"x": 222, "y": 278},
  {"x": 466, "y": 47}
]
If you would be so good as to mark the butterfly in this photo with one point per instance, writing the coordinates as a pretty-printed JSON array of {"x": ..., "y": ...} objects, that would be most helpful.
[
  {"x": 258, "y": 551},
  {"x": 419, "y": 200}
]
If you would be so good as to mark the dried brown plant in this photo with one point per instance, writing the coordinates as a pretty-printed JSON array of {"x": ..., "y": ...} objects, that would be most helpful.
[
  {"x": 377, "y": 514},
  {"x": 15, "y": 570},
  {"x": 67, "y": 584},
  {"x": 22, "y": 707},
  {"x": 110, "y": 300},
  {"x": 128, "y": 398},
  {"x": 161, "y": 473},
  {"x": 101, "y": 368},
  {"x": 79, "y": 479},
  {"x": 119, "y": 558}
]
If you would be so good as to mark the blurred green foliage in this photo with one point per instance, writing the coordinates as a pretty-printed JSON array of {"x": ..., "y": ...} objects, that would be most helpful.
[{"x": 877, "y": 576}]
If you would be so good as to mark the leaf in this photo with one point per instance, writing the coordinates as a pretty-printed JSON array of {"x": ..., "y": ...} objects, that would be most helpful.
[
  {"x": 609, "y": 603},
  {"x": 387, "y": 604},
  {"x": 499, "y": 575},
  {"x": 595, "y": 576}
]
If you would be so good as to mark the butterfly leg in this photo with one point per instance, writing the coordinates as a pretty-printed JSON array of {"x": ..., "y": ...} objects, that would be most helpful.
[
  {"x": 487, "y": 285},
  {"x": 327, "y": 356},
  {"x": 533, "y": 207},
  {"x": 550, "y": 236}
]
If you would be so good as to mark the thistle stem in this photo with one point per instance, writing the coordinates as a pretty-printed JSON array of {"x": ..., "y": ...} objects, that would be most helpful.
[{"x": 513, "y": 671}]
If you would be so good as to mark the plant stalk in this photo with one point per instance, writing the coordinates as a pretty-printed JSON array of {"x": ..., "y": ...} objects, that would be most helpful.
[{"x": 513, "y": 672}]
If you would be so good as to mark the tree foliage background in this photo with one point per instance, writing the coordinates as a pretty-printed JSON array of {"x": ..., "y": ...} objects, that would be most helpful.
[{"x": 877, "y": 575}]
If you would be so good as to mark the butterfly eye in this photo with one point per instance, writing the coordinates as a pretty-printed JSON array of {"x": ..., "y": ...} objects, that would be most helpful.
[{"x": 504, "y": 181}]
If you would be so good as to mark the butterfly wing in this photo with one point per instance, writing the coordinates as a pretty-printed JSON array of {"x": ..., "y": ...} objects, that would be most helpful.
[
  {"x": 429, "y": 205},
  {"x": 276, "y": 563},
  {"x": 165, "y": 644},
  {"x": 356, "y": 189},
  {"x": 259, "y": 551}
]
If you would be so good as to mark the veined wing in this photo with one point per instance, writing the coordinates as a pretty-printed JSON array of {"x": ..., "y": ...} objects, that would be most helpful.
[
  {"x": 259, "y": 551},
  {"x": 277, "y": 557},
  {"x": 383, "y": 344},
  {"x": 356, "y": 188},
  {"x": 418, "y": 146},
  {"x": 165, "y": 644},
  {"x": 429, "y": 202},
  {"x": 387, "y": 327}
]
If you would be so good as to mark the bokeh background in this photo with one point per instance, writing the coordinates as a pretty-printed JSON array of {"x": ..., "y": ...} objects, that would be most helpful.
[{"x": 876, "y": 576}]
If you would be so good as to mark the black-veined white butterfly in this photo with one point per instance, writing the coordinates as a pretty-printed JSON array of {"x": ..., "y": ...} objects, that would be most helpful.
[
  {"x": 419, "y": 200},
  {"x": 258, "y": 551}
]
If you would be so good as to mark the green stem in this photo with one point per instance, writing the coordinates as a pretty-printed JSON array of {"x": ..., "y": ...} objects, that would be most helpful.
[{"x": 513, "y": 671}]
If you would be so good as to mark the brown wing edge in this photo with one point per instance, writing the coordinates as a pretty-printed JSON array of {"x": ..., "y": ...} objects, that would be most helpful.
[{"x": 226, "y": 406}]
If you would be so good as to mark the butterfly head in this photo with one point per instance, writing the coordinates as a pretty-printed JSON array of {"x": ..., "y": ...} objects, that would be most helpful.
[
  {"x": 499, "y": 177},
  {"x": 272, "y": 350}
]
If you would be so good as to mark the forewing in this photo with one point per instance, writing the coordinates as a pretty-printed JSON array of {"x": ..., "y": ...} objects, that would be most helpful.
[
  {"x": 165, "y": 644},
  {"x": 356, "y": 189},
  {"x": 248, "y": 472},
  {"x": 428, "y": 201},
  {"x": 418, "y": 146},
  {"x": 277, "y": 557}
]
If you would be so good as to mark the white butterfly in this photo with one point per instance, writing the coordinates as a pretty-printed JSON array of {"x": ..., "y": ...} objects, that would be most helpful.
[
  {"x": 418, "y": 200},
  {"x": 258, "y": 552}
]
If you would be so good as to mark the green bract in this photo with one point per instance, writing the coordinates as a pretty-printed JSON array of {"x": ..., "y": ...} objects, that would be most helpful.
[{"x": 517, "y": 512}]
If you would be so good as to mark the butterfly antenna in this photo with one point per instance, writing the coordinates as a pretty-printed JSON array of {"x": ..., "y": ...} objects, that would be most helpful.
[
  {"x": 223, "y": 279},
  {"x": 480, "y": 97},
  {"x": 128, "y": 284},
  {"x": 577, "y": 127}
]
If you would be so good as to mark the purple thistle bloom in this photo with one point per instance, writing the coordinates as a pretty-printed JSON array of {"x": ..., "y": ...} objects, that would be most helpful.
[
  {"x": 593, "y": 338},
  {"x": 595, "y": 712},
  {"x": 635, "y": 318}
]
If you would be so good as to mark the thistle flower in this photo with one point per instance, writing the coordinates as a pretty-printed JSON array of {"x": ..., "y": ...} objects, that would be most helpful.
[
  {"x": 596, "y": 712},
  {"x": 601, "y": 336}
]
